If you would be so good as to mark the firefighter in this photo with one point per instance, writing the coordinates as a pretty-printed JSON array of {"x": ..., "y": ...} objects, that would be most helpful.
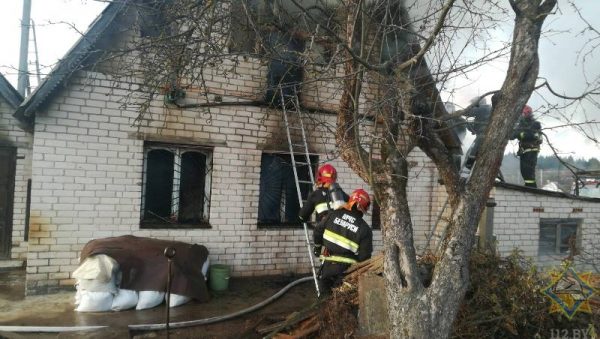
[
  {"x": 529, "y": 134},
  {"x": 481, "y": 113},
  {"x": 347, "y": 239},
  {"x": 326, "y": 197}
]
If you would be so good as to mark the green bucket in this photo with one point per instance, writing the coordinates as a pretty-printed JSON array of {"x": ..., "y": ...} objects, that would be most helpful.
[{"x": 218, "y": 277}]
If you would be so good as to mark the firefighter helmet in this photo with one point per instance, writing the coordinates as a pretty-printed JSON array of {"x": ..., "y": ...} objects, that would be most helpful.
[
  {"x": 361, "y": 199},
  {"x": 326, "y": 175},
  {"x": 527, "y": 111}
]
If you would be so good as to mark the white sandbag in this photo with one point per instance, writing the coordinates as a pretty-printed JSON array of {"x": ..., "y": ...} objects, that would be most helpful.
[
  {"x": 98, "y": 267},
  {"x": 94, "y": 285},
  {"x": 205, "y": 268},
  {"x": 177, "y": 300},
  {"x": 149, "y": 299},
  {"x": 99, "y": 273},
  {"x": 94, "y": 301},
  {"x": 124, "y": 300}
]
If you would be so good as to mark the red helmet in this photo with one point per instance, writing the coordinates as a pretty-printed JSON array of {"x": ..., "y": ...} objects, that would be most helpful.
[
  {"x": 527, "y": 111},
  {"x": 361, "y": 198},
  {"x": 326, "y": 174}
]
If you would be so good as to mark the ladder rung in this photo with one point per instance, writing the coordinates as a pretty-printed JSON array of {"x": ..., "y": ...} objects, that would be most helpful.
[
  {"x": 305, "y": 182},
  {"x": 292, "y": 127},
  {"x": 302, "y": 163}
]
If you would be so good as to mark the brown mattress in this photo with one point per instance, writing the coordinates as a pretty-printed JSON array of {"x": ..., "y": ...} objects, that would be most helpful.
[{"x": 144, "y": 266}]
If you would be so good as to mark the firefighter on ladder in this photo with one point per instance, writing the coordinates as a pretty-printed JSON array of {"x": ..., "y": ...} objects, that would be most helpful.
[
  {"x": 529, "y": 134},
  {"x": 326, "y": 197},
  {"x": 347, "y": 239}
]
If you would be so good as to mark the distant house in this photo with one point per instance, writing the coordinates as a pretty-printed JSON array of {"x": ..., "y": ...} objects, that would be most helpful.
[
  {"x": 222, "y": 179},
  {"x": 15, "y": 172}
]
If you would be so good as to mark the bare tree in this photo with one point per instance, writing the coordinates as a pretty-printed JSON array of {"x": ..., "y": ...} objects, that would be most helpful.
[{"x": 428, "y": 311}]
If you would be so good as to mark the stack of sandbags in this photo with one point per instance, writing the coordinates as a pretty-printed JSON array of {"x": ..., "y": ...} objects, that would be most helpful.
[{"x": 97, "y": 283}]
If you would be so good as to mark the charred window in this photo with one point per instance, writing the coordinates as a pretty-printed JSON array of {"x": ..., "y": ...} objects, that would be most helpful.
[
  {"x": 278, "y": 198},
  {"x": 176, "y": 189},
  {"x": 243, "y": 34},
  {"x": 558, "y": 236}
]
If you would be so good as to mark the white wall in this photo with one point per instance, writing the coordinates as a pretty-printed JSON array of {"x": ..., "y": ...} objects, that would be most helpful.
[{"x": 517, "y": 224}]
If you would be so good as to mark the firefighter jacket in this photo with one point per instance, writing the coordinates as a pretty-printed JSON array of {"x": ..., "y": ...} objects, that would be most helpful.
[
  {"x": 529, "y": 134},
  {"x": 321, "y": 201},
  {"x": 346, "y": 236}
]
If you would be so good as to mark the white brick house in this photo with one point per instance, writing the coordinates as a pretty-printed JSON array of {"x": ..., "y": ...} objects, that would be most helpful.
[{"x": 93, "y": 167}]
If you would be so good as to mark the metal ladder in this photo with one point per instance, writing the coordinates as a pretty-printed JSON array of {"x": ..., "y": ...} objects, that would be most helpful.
[{"x": 301, "y": 148}]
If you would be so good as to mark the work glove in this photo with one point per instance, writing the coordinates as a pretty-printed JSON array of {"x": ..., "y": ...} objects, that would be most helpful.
[{"x": 317, "y": 250}]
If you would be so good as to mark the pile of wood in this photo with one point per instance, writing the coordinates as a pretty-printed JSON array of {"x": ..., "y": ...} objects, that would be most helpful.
[{"x": 503, "y": 300}]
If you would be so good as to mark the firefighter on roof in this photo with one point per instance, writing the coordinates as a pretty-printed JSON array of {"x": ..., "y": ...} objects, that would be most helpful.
[
  {"x": 326, "y": 197},
  {"x": 347, "y": 239},
  {"x": 529, "y": 134}
]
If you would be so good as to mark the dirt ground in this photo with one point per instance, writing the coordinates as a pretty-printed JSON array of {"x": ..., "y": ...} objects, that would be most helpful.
[{"x": 58, "y": 310}]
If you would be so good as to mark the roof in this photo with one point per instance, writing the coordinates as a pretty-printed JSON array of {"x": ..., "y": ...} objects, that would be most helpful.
[
  {"x": 72, "y": 62},
  {"x": 545, "y": 192},
  {"x": 9, "y": 93}
]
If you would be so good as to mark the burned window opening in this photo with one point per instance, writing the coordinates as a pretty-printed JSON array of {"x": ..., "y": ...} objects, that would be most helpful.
[
  {"x": 286, "y": 71},
  {"x": 243, "y": 36},
  {"x": 278, "y": 199},
  {"x": 152, "y": 21},
  {"x": 176, "y": 186}
]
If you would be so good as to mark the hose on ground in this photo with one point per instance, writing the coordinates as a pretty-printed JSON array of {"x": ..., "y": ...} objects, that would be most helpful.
[{"x": 211, "y": 320}]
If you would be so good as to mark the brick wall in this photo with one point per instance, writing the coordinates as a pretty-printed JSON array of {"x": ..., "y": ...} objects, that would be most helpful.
[
  {"x": 517, "y": 224},
  {"x": 12, "y": 135}
]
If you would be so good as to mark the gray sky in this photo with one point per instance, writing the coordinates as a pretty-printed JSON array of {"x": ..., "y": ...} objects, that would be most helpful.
[{"x": 55, "y": 20}]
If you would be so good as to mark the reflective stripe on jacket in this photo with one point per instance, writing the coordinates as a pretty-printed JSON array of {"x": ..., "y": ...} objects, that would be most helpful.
[
  {"x": 337, "y": 258},
  {"x": 341, "y": 241}
]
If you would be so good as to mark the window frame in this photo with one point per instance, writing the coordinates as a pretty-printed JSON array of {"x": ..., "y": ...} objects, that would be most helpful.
[
  {"x": 178, "y": 151},
  {"x": 314, "y": 159},
  {"x": 558, "y": 224}
]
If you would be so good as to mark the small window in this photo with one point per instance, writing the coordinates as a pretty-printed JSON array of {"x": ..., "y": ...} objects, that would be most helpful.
[
  {"x": 176, "y": 188},
  {"x": 278, "y": 198},
  {"x": 558, "y": 236}
]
